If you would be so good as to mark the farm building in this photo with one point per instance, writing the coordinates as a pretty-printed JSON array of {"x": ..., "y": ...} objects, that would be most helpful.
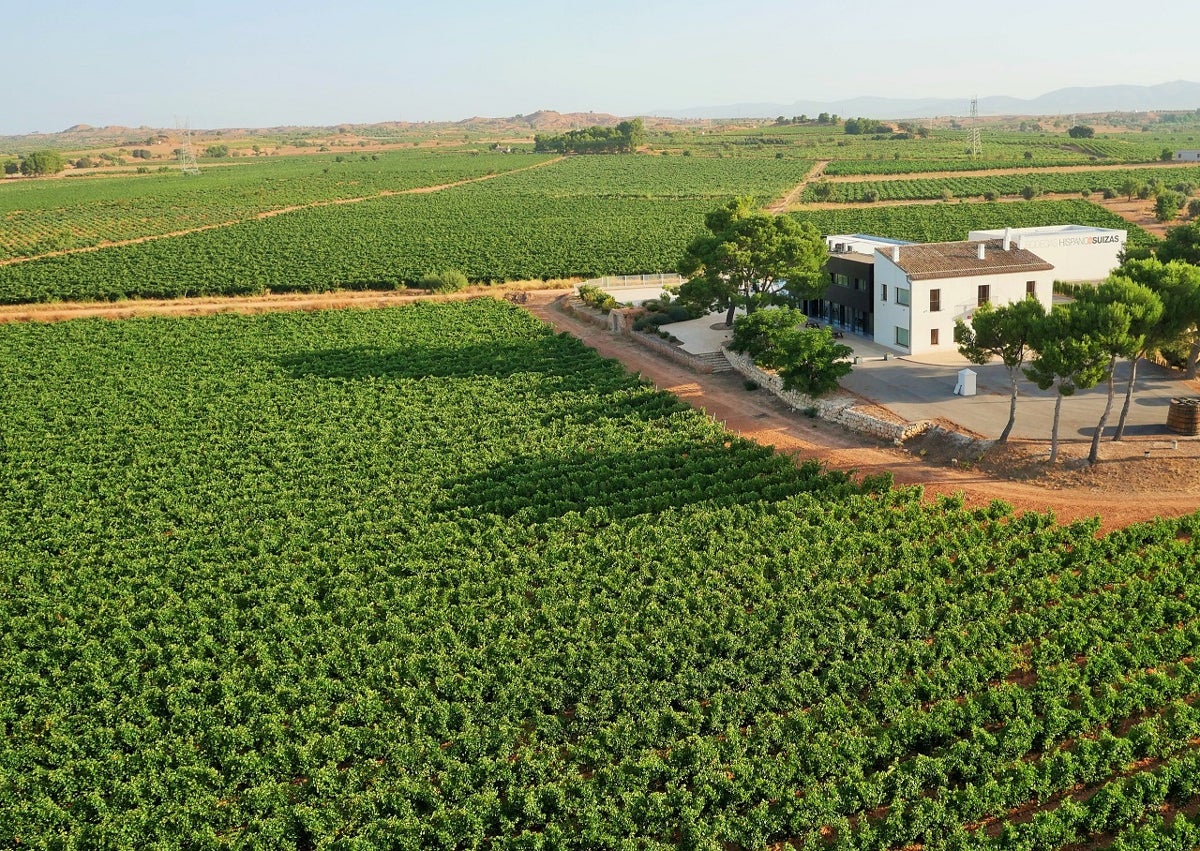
[
  {"x": 922, "y": 289},
  {"x": 848, "y": 300},
  {"x": 1079, "y": 253},
  {"x": 1187, "y": 156}
]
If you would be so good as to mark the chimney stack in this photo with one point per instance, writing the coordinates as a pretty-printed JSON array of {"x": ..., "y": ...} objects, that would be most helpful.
[
  {"x": 981, "y": 251},
  {"x": 895, "y": 253},
  {"x": 1021, "y": 242},
  {"x": 1007, "y": 238}
]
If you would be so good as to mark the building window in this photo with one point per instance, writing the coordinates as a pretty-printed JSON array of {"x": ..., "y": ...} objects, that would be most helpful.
[
  {"x": 841, "y": 280},
  {"x": 935, "y": 301},
  {"x": 985, "y": 294},
  {"x": 883, "y": 292},
  {"x": 901, "y": 336},
  {"x": 1031, "y": 288},
  {"x": 933, "y": 336},
  {"x": 901, "y": 296}
]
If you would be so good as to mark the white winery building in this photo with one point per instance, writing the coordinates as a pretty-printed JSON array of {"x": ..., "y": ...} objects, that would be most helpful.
[{"x": 920, "y": 290}]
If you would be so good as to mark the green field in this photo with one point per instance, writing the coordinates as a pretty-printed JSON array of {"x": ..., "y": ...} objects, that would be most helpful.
[
  {"x": 1009, "y": 184},
  {"x": 943, "y": 149},
  {"x": 39, "y": 216},
  {"x": 576, "y": 217},
  {"x": 438, "y": 577},
  {"x": 583, "y": 217},
  {"x": 947, "y": 222}
]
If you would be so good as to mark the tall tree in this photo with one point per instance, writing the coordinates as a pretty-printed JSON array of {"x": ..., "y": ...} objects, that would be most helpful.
[
  {"x": 809, "y": 360},
  {"x": 752, "y": 259},
  {"x": 1067, "y": 358},
  {"x": 1004, "y": 332},
  {"x": 42, "y": 162},
  {"x": 1111, "y": 327},
  {"x": 1182, "y": 243},
  {"x": 1177, "y": 286}
]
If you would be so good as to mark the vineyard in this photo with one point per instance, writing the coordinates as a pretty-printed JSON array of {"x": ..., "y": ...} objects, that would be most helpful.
[
  {"x": 383, "y": 243},
  {"x": 37, "y": 217},
  {"x": 888, "y": 153},
  {"x": 944, "y": 222},
  {"x": 1007, "y": 184},
  {"x": 881, "y": 167},
  {"x": 582, "y": 217},
  {"x": 438, "y": 577}
]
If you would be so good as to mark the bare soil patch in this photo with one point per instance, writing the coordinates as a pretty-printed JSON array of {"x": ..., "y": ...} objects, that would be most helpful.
[{"x": 1138, "y": 212}]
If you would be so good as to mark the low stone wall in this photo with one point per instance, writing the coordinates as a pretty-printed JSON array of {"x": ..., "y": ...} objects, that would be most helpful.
[
  {"x": 618, "y": 321},
  {"x": 660, "y": 346},
  {"x": 575, "y": 306},
  {"x": 835, "y": 409}
]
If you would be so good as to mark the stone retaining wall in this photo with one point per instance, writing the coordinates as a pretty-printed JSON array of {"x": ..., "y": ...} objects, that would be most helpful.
[
  {"x": 618, "y": 322},
  {"x": 835, "y": 409}
]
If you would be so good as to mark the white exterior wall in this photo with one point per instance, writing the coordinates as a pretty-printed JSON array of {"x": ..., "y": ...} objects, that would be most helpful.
[
  {"x": 888, "y": 314},
  {"x": 959, "y": 298},
  {"x": 1085, "y": 255},
  {"x": 1187, "y": 156}
]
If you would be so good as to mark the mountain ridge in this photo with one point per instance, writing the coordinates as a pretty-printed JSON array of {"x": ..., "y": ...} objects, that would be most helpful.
[{"x": 1174, "y": 95}]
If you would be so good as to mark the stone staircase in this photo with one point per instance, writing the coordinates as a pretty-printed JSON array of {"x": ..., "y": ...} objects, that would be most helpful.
[{"x": 716, "y": 360}]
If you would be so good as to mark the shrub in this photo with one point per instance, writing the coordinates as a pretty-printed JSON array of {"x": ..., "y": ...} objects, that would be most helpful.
[
  {"x": 1029, "y": 192},
  {"x": 990, "y": 195},
  {"x": 679, "y": 313},
  {"x": 593, "y": 296},
  {"x": 1167, "y": 205},
  {"x": 1193, "y": 207},
  {"x": 449, "y": 281}
]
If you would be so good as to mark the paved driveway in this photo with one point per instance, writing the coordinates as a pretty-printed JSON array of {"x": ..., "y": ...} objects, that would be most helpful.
[{"x": 922, "y": 387}]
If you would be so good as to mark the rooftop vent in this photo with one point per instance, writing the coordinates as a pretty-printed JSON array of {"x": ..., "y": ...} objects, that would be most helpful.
[
  {"x": 895, "y": 253},
  {"x": 981, "y": 251}
]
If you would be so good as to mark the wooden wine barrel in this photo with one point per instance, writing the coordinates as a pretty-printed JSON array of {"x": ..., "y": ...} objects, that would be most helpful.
[{"x": 1184, "y": 416}]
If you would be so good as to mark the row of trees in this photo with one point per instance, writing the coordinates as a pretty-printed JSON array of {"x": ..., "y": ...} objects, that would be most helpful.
[
  {"x": 625, "y": 138},
  {"x": 36, "y": 164},
  {"x": 1145, "y": 305}
]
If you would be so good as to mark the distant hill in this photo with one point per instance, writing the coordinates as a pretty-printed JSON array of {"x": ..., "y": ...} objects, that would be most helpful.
[{"x": 1180, "y": 94}]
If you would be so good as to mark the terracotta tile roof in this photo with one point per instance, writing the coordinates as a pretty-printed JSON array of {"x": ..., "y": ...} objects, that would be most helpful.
[{"x": 932, "y": 260}]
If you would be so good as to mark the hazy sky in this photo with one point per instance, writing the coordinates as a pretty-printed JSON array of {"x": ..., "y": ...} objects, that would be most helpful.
[{"x": 221, "y": 63}]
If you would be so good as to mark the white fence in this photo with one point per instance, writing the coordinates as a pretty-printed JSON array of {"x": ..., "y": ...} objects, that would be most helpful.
[{"x": 659, "y": 279}]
